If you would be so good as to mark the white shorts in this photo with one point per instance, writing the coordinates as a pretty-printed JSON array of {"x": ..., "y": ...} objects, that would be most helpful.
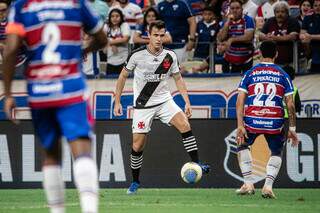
[
  {"x": 181, "y": 54},
  {"x": 142, "y": 118}
]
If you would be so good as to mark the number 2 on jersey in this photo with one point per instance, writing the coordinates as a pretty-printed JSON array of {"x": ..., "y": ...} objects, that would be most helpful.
[
  {"x": 260, "y": 90},
  {"x": 51, "y": 37}
]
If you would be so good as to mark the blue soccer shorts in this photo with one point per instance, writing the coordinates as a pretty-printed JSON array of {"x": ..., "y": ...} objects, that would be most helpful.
[
  {"x": 72, "y": 121},
  {"x": 275, "y": 142}
]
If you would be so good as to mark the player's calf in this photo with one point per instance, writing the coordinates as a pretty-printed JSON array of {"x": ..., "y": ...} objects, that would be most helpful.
[
  {"x": 273, "y": 168},
  {"x": 86, "y": 180},
  {"x": 245, "y": 163},
  {"x": 190, "y": 145},
  {"x": 54, "y": 188}
]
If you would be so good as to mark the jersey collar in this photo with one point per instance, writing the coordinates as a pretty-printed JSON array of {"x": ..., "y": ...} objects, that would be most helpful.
[{"x": 155, "y": 54}]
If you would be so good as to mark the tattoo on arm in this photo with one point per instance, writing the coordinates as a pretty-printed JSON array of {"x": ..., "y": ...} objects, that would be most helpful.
[
  {"x": 291, "y": 110},
  {"x": 176, "y": 76}
]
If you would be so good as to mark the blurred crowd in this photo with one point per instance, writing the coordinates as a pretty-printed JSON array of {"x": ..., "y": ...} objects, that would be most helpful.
[{"x": 208, "y": 35}]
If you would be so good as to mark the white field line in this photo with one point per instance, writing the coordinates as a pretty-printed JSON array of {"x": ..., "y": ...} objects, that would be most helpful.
[{"x": 137, "y": 204}]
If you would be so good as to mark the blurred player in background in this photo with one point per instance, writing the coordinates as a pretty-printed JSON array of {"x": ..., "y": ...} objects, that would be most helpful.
[
  {"x": 152, "y": 66},
  {"x": 260, "y": 110},
  {"x": 21, "y": 56},
  {"x": 56, "y": 87}
]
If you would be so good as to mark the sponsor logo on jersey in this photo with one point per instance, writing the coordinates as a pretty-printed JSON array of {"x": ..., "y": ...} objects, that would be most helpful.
[{"x": 263, "y": 112}]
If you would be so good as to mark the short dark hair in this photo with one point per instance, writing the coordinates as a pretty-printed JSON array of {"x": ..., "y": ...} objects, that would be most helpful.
[
  {"x": 208, "y": 8},
  {"x": 157, "y": 24},
  {"x": 268, "y": 49},
  {"x": 239, "y": 1}
]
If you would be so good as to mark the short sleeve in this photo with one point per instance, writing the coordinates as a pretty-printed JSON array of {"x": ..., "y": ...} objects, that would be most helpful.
[
  {"x": 249, "y": 23},
  {"x": 244, "y": 83},
  {"x": 90, "y": 19},
  {"x": 15, "y": 23},
  {"x": 125, "y": 29},
  {"x": 288, "y": 86},
  {"x": 175, "y": 64},
  {"x": 187, "y": 10},
  {"x": 130, "y": 64}
]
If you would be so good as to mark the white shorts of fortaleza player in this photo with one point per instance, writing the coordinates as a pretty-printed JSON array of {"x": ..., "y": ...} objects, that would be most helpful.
[{"x": 142, "y": 118}]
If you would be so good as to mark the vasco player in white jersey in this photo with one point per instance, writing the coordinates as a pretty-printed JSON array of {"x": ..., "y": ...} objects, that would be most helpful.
[{"x": 152, "y": 66}]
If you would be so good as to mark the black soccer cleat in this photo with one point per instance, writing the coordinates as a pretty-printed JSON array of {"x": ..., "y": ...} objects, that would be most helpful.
[{"x": 205, "y": 168}]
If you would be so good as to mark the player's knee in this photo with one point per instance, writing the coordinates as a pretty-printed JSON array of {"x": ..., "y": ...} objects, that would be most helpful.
[{"x": 137, "y": 146}]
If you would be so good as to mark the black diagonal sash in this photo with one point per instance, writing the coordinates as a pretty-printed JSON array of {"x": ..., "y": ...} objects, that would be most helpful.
[{"x": 150, "y": 87}]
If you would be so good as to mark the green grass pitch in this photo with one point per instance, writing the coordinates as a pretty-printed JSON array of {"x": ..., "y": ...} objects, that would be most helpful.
[{"x": 170, "y": 200}]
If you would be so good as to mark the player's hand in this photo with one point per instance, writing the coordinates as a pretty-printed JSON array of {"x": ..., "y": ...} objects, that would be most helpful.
[
  {"x": 9, "y": 105},
  {"x": 117, "y": 110},
  {"x": 188, "y": 110},
  {"x": 241, "y": 135},
  {"x": 293, "y": 138}
]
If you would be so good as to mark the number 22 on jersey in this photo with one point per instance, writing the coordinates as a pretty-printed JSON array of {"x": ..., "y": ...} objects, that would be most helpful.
[{"x": 260, "y": 89}]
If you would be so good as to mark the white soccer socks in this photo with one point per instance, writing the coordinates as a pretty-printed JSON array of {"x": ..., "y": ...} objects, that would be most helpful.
[
  {"x": 54, "y": 188},
  {"x": 86, "y": 181},
  {"x": 245, "y": 162},
  {"x": 273, "y": 168}
]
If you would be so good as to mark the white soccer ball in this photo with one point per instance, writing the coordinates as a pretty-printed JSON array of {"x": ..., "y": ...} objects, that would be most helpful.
[{"x": 191, "y": 172}]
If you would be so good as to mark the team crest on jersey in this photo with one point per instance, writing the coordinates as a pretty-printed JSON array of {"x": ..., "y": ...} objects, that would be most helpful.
[
  {"x": 166, "y": 63},
  {"x": 141, "y": 125},
  {"x": 260, "y": 157}
]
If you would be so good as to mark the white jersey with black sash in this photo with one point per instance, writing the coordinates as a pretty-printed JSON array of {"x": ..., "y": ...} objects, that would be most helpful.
[{"x": 151, "y": 72}]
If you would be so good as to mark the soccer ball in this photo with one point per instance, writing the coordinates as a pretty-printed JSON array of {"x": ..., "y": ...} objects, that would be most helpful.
[{"x": 191, "y": 172}]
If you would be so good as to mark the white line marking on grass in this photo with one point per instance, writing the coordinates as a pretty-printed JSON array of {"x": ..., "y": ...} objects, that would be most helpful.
[{"x": 34, "y": 206}]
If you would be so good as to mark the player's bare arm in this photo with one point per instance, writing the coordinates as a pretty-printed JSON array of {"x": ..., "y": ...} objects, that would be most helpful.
[
  {"x": 181, "y": 86},
  {"x": 119, "y": 88},
  {"x": 9, "y": 60},
  {"x": 292, "y": 135},
  {"x": 241, "y": 131},
  {"x": 98, "y": 42},
  {"x": 192, "y": 32}
]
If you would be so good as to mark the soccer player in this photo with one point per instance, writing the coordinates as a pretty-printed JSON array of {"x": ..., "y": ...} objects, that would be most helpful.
[
  {"x": 56, "y": 88},
  {"x": 152, "y": 65},
  {"x": 260, "y": 111}
]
